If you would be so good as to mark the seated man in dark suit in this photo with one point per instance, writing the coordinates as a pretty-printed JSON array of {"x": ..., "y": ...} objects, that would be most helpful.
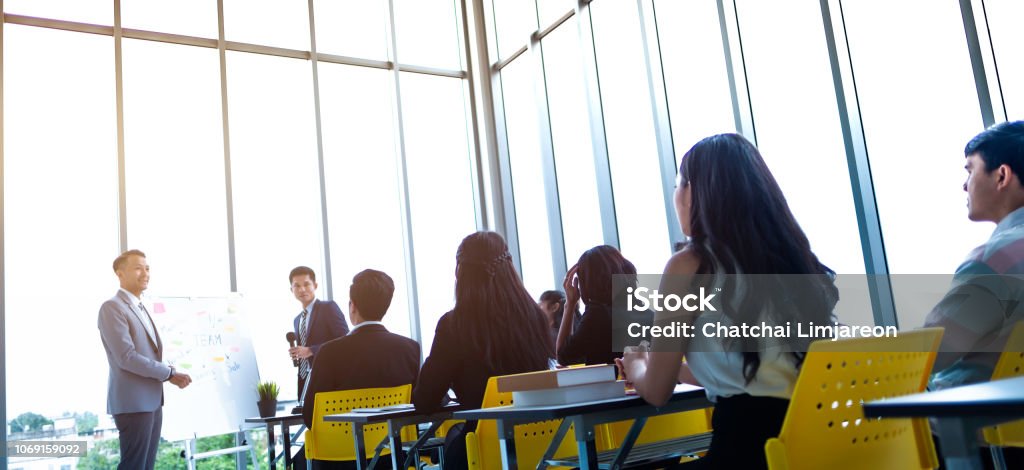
[{"x": 370, "y": 356}]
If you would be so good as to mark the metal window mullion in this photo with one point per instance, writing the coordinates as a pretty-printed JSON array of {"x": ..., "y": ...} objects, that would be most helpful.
[
  {"x": 225, "y": 129},
  {"x": 321, "y": 178},
  {"x": 865, "y": 205},
  {"x": 403, "y": 182},
  {"x": 535, "y": 55},
  {"x": 599, "y": 141},
  {"x": 986, "y": 75},
  {"x": 493, "y": 166},
  {"x": 500, "y": 168},
  {"x": 736, "y": 69},
  {"x": 662, "y": 118},
  {"x": 480, "y": 188},
  {"x": 3, "y": 241},
  {"x": 122, "y": 198}
]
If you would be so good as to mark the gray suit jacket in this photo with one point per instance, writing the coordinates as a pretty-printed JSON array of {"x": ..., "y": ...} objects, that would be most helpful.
[{"x": 136, "y": 373}]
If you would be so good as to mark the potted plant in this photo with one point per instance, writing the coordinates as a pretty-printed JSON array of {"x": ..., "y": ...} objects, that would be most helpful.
[{"x": 267, "y": 404}]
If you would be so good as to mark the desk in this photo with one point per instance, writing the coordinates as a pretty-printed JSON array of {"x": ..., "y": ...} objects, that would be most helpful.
[
  {"x": 959, "y": 412},
  {"x": 285, "y": 419},
  {"x": 396, "y": 420},
  {"x": 584, "y": 416}
]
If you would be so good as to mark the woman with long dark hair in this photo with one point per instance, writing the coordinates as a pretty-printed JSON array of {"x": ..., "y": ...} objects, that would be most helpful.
[
  {"x": 590, "y": 280},
  {"x": 739, "y": 223},
  {"x": 495, "y": 329}
]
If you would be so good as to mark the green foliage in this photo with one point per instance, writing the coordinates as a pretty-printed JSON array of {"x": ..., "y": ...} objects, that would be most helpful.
[
  {"x": 28, "y": 422},
  {"x": 268, "y": 390},
  {"x": 86, "y": 422},
  {"x": 102, "y": 456},
  {"x": 105, "y": 455}
]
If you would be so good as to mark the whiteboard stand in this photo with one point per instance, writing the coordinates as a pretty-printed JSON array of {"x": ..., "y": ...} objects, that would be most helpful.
[{"x": 241, "y": 446}]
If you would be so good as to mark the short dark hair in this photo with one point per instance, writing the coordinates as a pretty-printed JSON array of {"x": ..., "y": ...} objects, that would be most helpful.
[
  {"x": 1001, "y": 144},
  {"x": 123, "y": 257},
  {"x": 371, "y": 293},
  {"x": 299, "y": 271}
]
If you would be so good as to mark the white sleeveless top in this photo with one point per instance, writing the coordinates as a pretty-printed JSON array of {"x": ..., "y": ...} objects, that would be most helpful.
[{"x": 721, "y": 372}]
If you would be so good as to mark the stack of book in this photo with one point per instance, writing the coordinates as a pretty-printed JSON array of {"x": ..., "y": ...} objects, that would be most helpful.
[{"x": 563, "y": 386}]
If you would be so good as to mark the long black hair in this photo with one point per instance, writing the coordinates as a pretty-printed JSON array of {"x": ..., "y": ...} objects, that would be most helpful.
[
  {"x": 740, "y": 223},
  {"x": 493, "y": 310}
]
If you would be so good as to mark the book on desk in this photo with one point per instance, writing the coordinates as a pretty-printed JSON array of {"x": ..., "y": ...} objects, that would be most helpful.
[{"x": 562, "y": 386}]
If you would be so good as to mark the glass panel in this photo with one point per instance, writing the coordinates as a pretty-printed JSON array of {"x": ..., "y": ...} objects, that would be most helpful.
[
  {"x": 629, "y": 127},
  {"x": 797, "y": 123},
  {"x": 551, "y": 10},
  {"x": 520, "y": 98},
  {"x": 428, "y": 34},
  {"x": 1004, "y": 20},
  {"x": 276, "y": 195},
  {"x": 352, "y": 28},
  {"x": 60, "y": 218},
  {"x": 797, "y": 87},
  {"x": 364, "y": 207},
  {"x": 920, "y": 107},
  {"x": 188, "y": 17},
  {"x": 514, "y": 21},
  {"x": 280, "y": 23},
  {"x": 570, "y": 135},
  {"x": 440, "y": 189},
  {"x": 174, "y": 156},
  {"x": 86, "y": 11},
  {"x": 691, "y": 40}
]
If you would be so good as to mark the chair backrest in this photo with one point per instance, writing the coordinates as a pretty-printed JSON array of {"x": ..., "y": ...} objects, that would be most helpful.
[
  {"x": 825, "y": 425},
  {"x": 1011, "y": 364},
  {"x": 335, "y": 441},
  {"x": 658, "y": 428},
  {"x": 531, "y": 439}
]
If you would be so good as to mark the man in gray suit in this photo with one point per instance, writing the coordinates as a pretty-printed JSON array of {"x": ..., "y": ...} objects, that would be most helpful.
[{"x": 135, "y": 392}]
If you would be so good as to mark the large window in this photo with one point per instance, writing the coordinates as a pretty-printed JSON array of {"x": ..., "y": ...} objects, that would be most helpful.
[
  {"x": 920, "y": 108},
  {"x": 276, "y": 193},
  {"x": 696, "y": 78},
  {"x": 60, "y": 211},
  {"x": 797, "y": 123},
  {"x": 1004, "y": 19},
  {"x": 440, "y": 189},
  {"x": 571, "y": 138},
  {"x": 361, "y": 169},
  {"x": 175, "y": 166},
  {"x": 519, "y": 91},
  {"x": 629, "y": 128}
]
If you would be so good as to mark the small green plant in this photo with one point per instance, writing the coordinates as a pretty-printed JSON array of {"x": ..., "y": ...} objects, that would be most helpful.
[{"x": 268, "y": 390}]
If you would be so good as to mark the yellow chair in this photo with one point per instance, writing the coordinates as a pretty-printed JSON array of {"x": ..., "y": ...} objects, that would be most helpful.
[
  {"x": 825, "y": 425},
  {"x": 532, "y": 439},
  {"x": 335, "y": 441},
  {"x": 657, "y": 429},
  {"x": 1011, "y": 364}
]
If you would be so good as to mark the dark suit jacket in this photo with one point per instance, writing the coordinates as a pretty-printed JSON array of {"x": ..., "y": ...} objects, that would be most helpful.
[
  {"x": 452, "y": 365},
  {"x": 369, "y": 357},
  {"x": 591, "y": 340},
  {"x": 326, "y": 323}
]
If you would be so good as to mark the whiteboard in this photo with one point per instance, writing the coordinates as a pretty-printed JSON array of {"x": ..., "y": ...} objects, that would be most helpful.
[{"x": 206, "y": 338}]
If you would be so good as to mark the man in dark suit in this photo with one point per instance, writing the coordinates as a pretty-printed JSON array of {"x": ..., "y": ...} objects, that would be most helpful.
[
  {"x": 319, "y": 322},
  {"x": 135, "y": 392},
  {"x": 370, "y": 356}
]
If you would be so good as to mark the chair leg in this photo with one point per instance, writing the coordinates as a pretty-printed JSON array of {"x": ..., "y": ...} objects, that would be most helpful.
[{"x": 998, "y": 461}]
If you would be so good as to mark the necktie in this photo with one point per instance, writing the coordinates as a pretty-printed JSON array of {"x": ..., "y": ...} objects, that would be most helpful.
[
  {"x": 304, "y": 364},
  {"x": 147, "y": 321}
]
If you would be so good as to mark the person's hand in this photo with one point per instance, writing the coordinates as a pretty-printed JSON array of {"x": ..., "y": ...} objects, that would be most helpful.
[
  {"x": 622, "y": 371},
  {"x": 634, "y": 359},
  {"x": 571, "y": 286},
  {"x": 181, "y": 380},
  {"x": 300, "y": 352}
]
